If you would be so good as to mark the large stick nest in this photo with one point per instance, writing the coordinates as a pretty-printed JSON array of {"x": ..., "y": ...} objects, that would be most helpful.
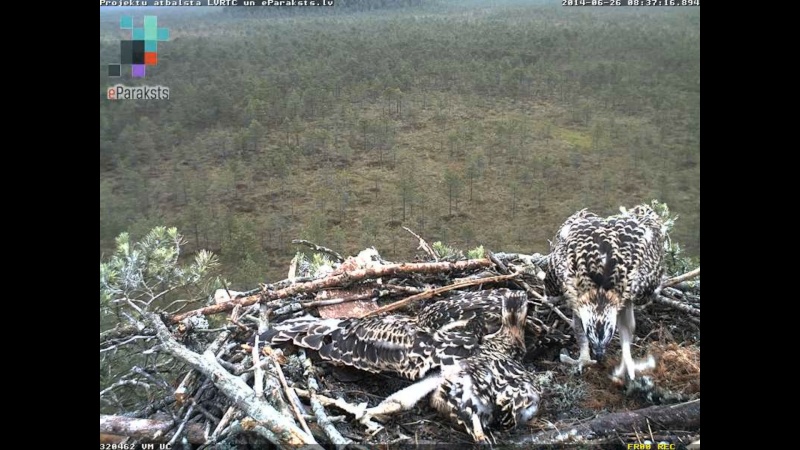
[{"x": 199, "y": 401}]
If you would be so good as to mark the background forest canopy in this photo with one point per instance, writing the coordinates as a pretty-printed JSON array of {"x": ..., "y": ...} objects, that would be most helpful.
[{"x": 339, "y": 125}]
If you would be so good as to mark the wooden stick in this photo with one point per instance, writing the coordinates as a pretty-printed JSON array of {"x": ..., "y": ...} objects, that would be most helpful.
[
  {"x": 222, "y": 423},
  {"x": 182, "y": 425},
  {"x": 149, "y": 429},
  {"x": 263, "y": 318},
  {"x": 433, "y": 292},
  {"x": 357, "y": 411},
  {"x": 389, "y": 270},
  {"x": 336, "y": 301},
  {"x": 682, "y": 415},
  {"x": 319, "y": 411},
  {"x": 182, "y": 391},
  {"x": 680, "y": 306},
  {"x": 121, "y": 383},
  {"x": 286, "y": 433},
  {"x": 499, "y": 264},
  {"x": 318, "y": 248},
  {"x": 423, "y": 245},
  {"x": 402, "y": 289},
  {"x": 290, "y": 394},
  {"x": 503, "y": 269},
  {"x": 258, "y": 384},
  {"x": 558, "y": 312},
  {"x": 122, "y": 330},
  {"x": 681, "y": 278}
]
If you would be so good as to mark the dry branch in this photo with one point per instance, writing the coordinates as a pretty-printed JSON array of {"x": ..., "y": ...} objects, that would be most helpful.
[
  {"x": 423, "y": 245},
  {"x": 258, "y": 384},
  {"x": 433, "y": 292},
  {"x": 124, "y": 330},
  {"x": 343, "y": 299},
  {"x": 681, "y": 278},
  {"x": 325, "y": 422},
  {"x": 294, "y": 401},
  {"x": 499, "y": 264},
  {"x": 285, "y": 431},
  {"x": 680, "y": 306},
  {"x": 148, "y": 429},
  {"x": 680, "y": 416},
  {"x": 121, "y": 383},
  {"x": 319, "y": 249},
  {"x": 528, "y": 289},
  {"x": 319, "y": 411},
  {"x": 356, "y": 410},
  {"x": 182, "y": 425},
  {"x": 402, "y": 289},
  {"x": 389, "y": 270},
  {"x": 223, "y": 422},
  {"x": 182, "y": 391}
]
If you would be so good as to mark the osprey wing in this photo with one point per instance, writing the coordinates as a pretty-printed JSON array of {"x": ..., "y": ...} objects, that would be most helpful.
[{"x": 393, "y": 343}]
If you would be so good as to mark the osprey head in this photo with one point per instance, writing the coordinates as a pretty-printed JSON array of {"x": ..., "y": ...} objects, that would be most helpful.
[
  {"x": 514, "y": 314},
  {"x": 597, "y": 310}
]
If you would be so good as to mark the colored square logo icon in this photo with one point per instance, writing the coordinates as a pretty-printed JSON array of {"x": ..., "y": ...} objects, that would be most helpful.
[{"x": 141, "y": 49}]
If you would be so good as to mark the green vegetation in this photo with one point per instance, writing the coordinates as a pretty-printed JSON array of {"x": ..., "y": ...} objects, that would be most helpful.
[
  {"x": 145, "y": 276},
  {"x": 676, "y": 261},
  {"x": 478, "y": 123}
]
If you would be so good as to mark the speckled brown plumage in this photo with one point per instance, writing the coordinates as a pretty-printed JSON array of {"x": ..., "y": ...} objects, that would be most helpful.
[
  {"x": 602, "y": 266},
  {"x": 464, "y": 350},
  {"x": 443, "y": 332},
  {"x": 490, "y": 388},
  {"x": 484, "y": 308}
]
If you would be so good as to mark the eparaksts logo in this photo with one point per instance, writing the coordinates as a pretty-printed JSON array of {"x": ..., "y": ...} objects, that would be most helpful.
[
  {"x": 121, "y": 92},
  {"x": 141, "y": 50}
]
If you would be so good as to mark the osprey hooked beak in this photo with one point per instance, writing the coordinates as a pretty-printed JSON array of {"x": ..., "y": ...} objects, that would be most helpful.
[{"x": 599, "y": 319}]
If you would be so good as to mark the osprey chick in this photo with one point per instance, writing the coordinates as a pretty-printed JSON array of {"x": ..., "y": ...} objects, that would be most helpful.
[
  {"x": 490, "y": 388},
  {"x": 602, "y": 266},
  {"x": 443, "y": 332},
  {"x": 465, "y": 349}
]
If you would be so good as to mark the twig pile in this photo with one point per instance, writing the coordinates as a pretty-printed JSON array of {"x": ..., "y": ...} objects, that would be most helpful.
[{"x": 230, "y": 396}]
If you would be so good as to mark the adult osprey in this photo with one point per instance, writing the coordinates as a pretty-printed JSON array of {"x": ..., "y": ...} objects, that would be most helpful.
[
  {"x": 470, "y": 363},
  {"x": 602, "y": 266}
]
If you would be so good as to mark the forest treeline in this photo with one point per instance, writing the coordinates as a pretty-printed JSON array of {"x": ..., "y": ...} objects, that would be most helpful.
[{"x": 479, "y": 123}]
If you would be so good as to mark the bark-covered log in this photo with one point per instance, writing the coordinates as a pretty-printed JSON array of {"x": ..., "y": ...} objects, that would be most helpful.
[
  {"x": 148, "y": 429},
  {"x": 681, "y": 416},
  {"x": 389, "y": 270}
]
